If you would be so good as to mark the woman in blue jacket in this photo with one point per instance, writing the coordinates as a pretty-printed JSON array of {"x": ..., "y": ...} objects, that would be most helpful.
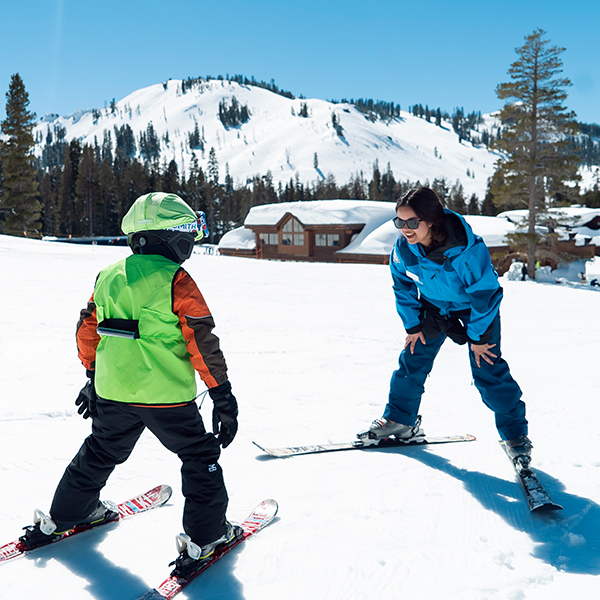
[{"x": 445, "y": 286}]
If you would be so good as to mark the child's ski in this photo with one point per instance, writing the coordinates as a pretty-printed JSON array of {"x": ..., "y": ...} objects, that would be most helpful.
[
  {"x": 142, "y": 503},
  {"x": 260, "y": 517}
]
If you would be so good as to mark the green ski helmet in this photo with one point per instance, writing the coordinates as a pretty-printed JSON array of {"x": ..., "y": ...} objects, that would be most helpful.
[{"x": 159, "y": 223}]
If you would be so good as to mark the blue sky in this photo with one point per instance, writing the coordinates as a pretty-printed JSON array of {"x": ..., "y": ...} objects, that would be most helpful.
[{"x": 78, "y": 55}]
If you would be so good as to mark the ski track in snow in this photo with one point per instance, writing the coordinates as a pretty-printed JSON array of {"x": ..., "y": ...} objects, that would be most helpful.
[{"x": 310, "y": 349}]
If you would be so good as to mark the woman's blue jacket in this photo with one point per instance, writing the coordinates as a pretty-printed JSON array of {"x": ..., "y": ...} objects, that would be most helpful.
[{"x": 458, "y": 278}]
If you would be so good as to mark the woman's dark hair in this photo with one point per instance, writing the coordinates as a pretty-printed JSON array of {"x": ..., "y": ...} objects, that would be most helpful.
[{"x": 427, "y": 206}]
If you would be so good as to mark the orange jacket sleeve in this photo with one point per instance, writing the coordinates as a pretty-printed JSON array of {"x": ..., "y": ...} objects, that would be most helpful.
[
  {"x": 197, "y": 324},
  {"x": 87, "y": 336}
]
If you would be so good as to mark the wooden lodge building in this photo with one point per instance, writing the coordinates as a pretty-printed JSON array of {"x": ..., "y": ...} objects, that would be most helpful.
[
  {"x": 290, "y": 238},
  {"x": 310, "y": 231}
]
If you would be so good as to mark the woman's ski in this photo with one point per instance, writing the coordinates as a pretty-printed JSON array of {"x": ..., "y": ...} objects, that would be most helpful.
[
  {"x": 538, "y": 499},
  {"x": 364, "y": 445}
]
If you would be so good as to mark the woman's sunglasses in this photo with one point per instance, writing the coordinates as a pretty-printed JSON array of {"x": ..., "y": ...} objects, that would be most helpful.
[{"x": 410, "y": 223}]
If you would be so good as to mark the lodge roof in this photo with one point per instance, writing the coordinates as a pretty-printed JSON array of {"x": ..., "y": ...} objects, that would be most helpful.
[{"x": 322, "y": 212}]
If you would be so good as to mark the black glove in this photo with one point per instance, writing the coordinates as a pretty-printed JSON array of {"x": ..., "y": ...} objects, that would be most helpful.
[
  {"x": 225, "y": 413},
  {"x": 87, "y": 398}
]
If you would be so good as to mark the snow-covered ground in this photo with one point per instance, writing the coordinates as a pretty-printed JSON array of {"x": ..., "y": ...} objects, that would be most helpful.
[{"x": 310, "y": 349}]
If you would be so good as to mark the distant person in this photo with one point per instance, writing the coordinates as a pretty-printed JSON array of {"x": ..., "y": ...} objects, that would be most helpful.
[
  {"x": 144, "y": 334},
  {"x": 445, "y": 286}
]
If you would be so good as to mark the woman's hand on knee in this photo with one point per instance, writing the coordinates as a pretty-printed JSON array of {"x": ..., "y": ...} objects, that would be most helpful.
[
  {"x": 412, "y": 339},
  {"x": 483, "y": 351}
]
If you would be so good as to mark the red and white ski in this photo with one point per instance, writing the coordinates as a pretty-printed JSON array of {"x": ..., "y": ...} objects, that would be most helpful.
[
  {"x": 142, "y": 503},
  {"x": 259, "y": 518}
]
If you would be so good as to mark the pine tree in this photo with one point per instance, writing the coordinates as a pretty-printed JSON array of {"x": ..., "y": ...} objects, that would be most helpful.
[
  {"x": 357, "y": 187},
  {"x": 125, "y": 144},
  {"x": 20, "y": 204},
  {"x": 375, "y": 192},
  {"x": 170, "y": 179},
  {"x": 488, "y": 206},
  {"x": 89, "y": 198},
  {"x": 196, "y": 186},
  {"x": 49, "y": 186},
  {"x": 212, "y": 194},
  {"x": 457, "y": 201},
  {"x": 303, "y": 110},
  {"x": 131, "y": 184},
  {"x": 473, "y": 206},
  {"x": 149, "y": 144},
  {"x": 108, "y": 199},
  {"x": 441, "y": 186},
  {"x": 538, "y": 159},
  {"x": 70, "y": 211},
  {"x": 388, "y": 185}
]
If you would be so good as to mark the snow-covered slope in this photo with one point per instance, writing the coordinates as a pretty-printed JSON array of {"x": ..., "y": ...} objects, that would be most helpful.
[
  {"x": 310, "y": 349},
  {"x": 277, "y": 140}
]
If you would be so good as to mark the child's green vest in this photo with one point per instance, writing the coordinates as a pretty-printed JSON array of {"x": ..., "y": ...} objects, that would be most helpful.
[{"x": 152, "y": 366}]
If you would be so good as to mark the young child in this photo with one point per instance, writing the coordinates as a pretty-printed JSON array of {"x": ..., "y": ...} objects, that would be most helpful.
[{"x": 144, "y": 333}]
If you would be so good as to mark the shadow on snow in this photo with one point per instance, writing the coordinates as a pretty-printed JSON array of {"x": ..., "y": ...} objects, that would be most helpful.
[
  {"x": 109, "y": 581},
  {"x": 569, "y": 539}
]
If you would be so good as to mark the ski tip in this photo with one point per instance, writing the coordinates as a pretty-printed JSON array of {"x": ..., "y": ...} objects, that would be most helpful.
[
  {"x": 550, "y": 507},
  {"x": 162, "y": 493},
  {"x": 271, "y": 504},
  {"x": 268, "y": 507},
  {"x": 268, "y": 451}
]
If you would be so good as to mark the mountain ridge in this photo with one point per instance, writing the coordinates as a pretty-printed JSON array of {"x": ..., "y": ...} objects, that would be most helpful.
[{"x": 333, "y": 139}]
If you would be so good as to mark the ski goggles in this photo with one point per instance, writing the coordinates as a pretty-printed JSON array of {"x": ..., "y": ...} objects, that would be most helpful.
[
  {"x": 410, "y": 223},
  {"x": 185, "y": 228},
  {"x": 198, "y": 228},
  {"x": 202, "y": 225}
]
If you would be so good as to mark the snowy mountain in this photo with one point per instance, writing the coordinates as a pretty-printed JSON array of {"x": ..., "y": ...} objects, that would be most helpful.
[
  {"x": 336, "y": 139},
  {"x": 310, "y": 349}
]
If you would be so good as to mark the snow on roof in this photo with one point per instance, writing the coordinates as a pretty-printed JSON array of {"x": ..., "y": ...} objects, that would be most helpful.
[
  {"x": 239, "y": 239},
  {"x": 380, "y": 239},
  {"x": 492, "y": 229},
  {"x": 583, "y": 214},
  {"x": 373, "y": 240},
  {"x": 323, "y": 212}
]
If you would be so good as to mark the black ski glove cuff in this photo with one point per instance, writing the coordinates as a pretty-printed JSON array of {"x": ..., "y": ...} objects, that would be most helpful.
[
  {"x": 225, "y": 413},
  {"x": 86, "y": 401}
]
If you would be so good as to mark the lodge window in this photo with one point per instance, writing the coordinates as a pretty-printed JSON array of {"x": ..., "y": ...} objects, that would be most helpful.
[
  {"x": 327, "y": 239},
  {"x": 292, "y": 233},
  {"x": 269, "y": 238},
  {"x": 295, "y": 239}
]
